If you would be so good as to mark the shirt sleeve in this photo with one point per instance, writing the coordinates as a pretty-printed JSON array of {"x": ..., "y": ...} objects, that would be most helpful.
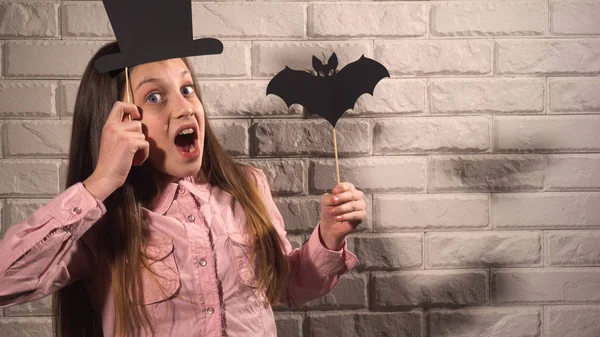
[
  {"x": 315, "y": 270},
  {"x": 44, "y": 253}
]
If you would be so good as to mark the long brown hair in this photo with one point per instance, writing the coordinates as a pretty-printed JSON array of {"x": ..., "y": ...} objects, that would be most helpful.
[{"x": 125, "y": 233}]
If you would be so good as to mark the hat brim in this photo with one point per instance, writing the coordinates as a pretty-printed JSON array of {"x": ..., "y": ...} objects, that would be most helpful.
[{"x": 118, "y": 61}]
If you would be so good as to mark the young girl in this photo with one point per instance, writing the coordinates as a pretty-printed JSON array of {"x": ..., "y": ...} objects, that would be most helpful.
[{"x": 159, "y": 232}]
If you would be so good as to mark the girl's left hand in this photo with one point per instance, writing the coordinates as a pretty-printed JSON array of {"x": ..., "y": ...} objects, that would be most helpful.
[{"x": 341, "y": 213}]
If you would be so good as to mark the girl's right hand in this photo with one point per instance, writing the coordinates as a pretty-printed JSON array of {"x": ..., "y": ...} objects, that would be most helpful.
[{"x": 121, "y": 140}]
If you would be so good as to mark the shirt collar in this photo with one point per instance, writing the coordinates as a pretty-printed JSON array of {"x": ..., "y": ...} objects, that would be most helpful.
[{"x": 164, "y": 200}]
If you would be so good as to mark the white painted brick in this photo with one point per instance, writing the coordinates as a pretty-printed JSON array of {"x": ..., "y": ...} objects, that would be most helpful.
[
  {"x": 429, "y": 288},
  {"x": 234, "y": 62},
  {"x": 375, "y": 174},
  {"x": 574, "y": 94},
  {"x": 488, "y": 19},
  {"x": 42, "y": 307},
  {"x": 242, "y": 99},
  {"x": 48, "y": 59},
  {"x": 572, "y": 321},
  {"x": 430, "y": 212},
  {"x": 35, "y": 138},
  {"x": 573, "y": 248},
  {"x": 2, "y": 132},
  {"x": 269, "y": 58},
  {"x": 483, "y": 249},
  {"x": 285, "y": 176},
  {"x": 302, "y": 214},
  {"x": 232, "y": 135},
  {"x": 367, "y": 20},
  {"x": 249, "y": 20},
  {"x": 387, "y": 251},
  {"x": 419, "y": 135},
  {"x": 29, "y": 177},
  {"x": 547, "y": 133},
  {"x": 28, "y": 99},
  {"x": 18, "y": 19},
  {"x": 575, "y": 18},
  {"x": 85, "y": 20},
  {"x": 547, "y": 57},
  {"x": 492, "y": 172},
  {"x": 312, "y": 137},
  {"x": 18, "y": 210},
  {"x": 548, "y": 285},
  {"x": 349, "y": 293},
  {"x": 289, "y": 324},
  {"x": 546, "y": 210},
  {"x": 573, "y": 172},
  {"x": 363, "y": 324},
  {"x": 487, "y": 95},
  {"x": 3, "y": 224},
  {"x": 26, "y": 326},
  {"x": 67, "y": 97},
  {"x": 431, "y": 57},
  {"x": 485, "y": 321},
  {"x": 392, "y": 96}
]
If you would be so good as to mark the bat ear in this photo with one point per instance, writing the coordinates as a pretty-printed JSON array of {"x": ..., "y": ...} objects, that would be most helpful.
[
  {"x": 317, "y": 64},
  {"x": 333, "y": 62}
]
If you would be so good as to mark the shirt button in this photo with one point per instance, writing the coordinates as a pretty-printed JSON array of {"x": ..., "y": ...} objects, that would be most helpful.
[
  {"x": 181, "y": 190},
  {"x": 203, "y": 262},
  {"x": 191, "y": 218},
  {"x": 76, "y": 210},
  {"x": 210, "y": 310}
]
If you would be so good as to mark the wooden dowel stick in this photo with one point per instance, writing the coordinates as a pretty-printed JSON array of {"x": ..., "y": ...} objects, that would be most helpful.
[
  {"x": 127, "y": 88},
  {"x": 337, "y": 165}
]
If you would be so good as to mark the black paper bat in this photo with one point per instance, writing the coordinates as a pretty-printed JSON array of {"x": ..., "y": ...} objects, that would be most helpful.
[{"x": 330, "y": 93}]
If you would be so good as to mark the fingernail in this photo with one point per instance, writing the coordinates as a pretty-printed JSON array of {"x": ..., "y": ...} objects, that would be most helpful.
[
  {"x": 336, "y": 199},
  {"x": 338, "y": 218}
]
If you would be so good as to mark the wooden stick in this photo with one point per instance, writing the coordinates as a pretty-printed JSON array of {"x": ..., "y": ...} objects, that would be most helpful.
[
  {"x": 127, "y": 88},
  {"x": 337, "y": 165}
]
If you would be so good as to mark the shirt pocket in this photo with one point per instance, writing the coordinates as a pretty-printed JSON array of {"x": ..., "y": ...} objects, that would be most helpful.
[
  {"x": 162, "y": 282},
  {"x": 241, "y": 251}
]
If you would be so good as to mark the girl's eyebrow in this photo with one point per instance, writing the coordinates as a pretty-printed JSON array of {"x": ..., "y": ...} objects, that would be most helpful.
[{"x": 153, "y": 79}]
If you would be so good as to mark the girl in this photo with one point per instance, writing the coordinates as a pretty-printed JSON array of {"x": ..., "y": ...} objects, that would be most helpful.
[{"x": 159, "y": 232}]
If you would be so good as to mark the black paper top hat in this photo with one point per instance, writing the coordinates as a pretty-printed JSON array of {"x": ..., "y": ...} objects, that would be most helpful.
[{"x": 152, "y": 30}]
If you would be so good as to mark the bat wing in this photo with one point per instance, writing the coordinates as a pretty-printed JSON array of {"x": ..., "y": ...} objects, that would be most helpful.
[
  {"x": 301, "y": 87},
  {"x": 354, "y": 80}
]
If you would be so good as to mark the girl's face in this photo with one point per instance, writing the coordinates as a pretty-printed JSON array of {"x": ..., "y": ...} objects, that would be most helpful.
[{"x": 172, "y": 116}]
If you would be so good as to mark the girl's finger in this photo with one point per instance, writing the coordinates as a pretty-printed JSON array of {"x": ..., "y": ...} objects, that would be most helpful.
[
  {"x": 347, "y": 196},
  {"x": 356, "y": 216},
  {"x": 343, "y": 187},
  {"x": 348, "y": 207},
  {"x": 119, "y": 110},
  {"x": 142, "y": 153}
]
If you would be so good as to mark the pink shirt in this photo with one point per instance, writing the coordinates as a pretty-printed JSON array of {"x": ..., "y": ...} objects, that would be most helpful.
[{"x": 201, "y": 249}]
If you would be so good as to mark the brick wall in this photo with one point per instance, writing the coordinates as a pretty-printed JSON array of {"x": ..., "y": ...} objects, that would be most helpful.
[{"x": 480, "y": 157}]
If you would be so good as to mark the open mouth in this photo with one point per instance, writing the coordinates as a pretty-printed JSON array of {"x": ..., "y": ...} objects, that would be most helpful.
[{"x": 186, "y": 140}]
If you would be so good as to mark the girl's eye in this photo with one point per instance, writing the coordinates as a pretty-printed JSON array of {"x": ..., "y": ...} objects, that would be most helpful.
[
  {"x": 153, "y": 98},
  {"x": 188, "y": 89}
]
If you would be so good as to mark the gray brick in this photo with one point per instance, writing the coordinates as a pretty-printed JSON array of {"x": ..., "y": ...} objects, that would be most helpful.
[
  {"x": 41, "y": 307},
  {"x": 18, "y": 210},
  {"x": 365, "y": 324},
  {"x": 574, "y": 172},
  {"x": 573, "y": 248},
  {"x": 574, "y": 95},
  {"x": 349, "y": 293},
  {"x": 430, "y": 212},
  {"x": 391, "y": 97},
  {"x": 375, "y": 174},
  {"x": 547, "y": 134},
  {"x": 233, "y": 135},
  {"x": 26, "y": 327},
  {"x": 575, "y": 18},
  {"x": 483, "y": 249},
  {"x": 312, "y": 137},
  {"x": 28, "y": 177},
  {"x": 285, "y": 176},
  {"x": 67, "y": 97},
  {"x": 387, "y": 251},
  {"x": 487, "y": 96},
  {"x": 234, "y": 62},
  {"x": 367, "y": 20},
  {"x": 19, "y": 19},
  {"x": 85, "y": 20},
  {"x": 546, "y": 210},
  {"x": 549, "y": 285},
  {"x": 289, "y": 324},
  {"x": 425, "y": 135},
  {"x": 28, "y": 99},
  {"x": 37, "y": 138},
  {"x": 572, "y": 321},
  {"x": 431, "y": 57},
  {"x": 429, "y": 288},
  {"x": 489, "y": 322},
  {"x": 487, "y": 172},
  {"x": 547, "y": 57}
]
